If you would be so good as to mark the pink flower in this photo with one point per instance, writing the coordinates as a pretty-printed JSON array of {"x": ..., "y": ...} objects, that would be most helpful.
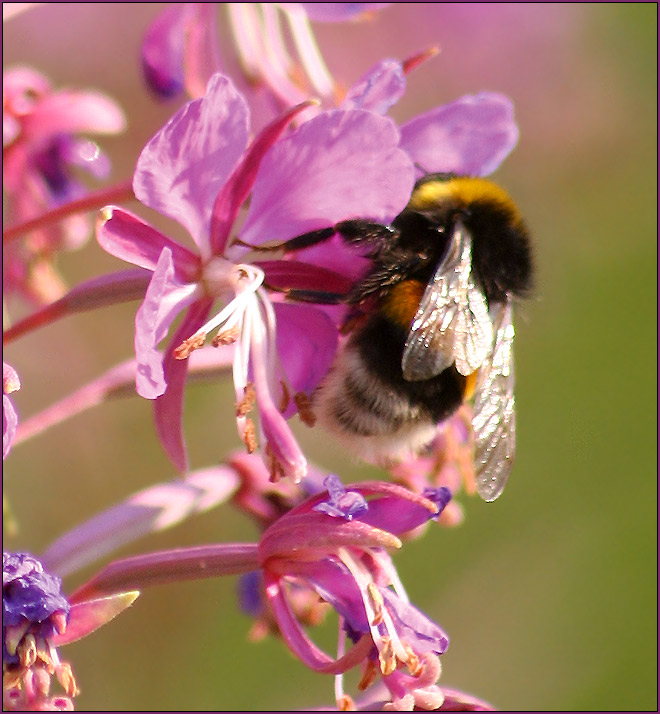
[
  {"x": 181, "y": 50},
  {"x": 41, "y": 145},
  {"x": 338, "y": 551},
  {"x": 199, "y": 170},
  {"x": 37, "y": 619}
]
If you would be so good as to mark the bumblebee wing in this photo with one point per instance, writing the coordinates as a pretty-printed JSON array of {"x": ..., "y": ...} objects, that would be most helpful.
[
  {"x": 494, "y": 420},
  {"x": 452, "y": 323},
  {"x": 474, "y": 330}
]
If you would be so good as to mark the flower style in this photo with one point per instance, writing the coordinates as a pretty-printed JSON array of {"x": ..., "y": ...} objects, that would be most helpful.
[
  {"x": 41, "y": 150},
  {"x": 198, "y": 171},
  {"x": 181, "y": 50},
  {"x": 36, "y": 619},
  {"x": 10, "y": 383}
]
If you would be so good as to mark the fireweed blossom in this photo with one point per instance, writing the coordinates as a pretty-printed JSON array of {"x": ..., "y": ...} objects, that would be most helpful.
[
  {"x": 199, "y": 170},
  {"x": 36, "y": 619},
  {"x": 181, "y": 49},
  {"x": 41, "y": 151},
  {"x": 334, "y": 544}
]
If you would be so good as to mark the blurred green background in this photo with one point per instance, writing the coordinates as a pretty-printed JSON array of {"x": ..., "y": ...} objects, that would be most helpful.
[{"x": 549, "y": 595}]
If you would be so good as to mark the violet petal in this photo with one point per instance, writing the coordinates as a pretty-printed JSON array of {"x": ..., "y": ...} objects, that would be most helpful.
[
  {"x": 338, "y": 165},
  {"x": 182, "y": 168},
  {"x": 379, "y": 89},
  {"x": 470, "y": 136}
]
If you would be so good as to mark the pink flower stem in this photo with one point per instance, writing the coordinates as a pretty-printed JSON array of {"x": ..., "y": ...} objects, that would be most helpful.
[{"x": 118, "y": 193}]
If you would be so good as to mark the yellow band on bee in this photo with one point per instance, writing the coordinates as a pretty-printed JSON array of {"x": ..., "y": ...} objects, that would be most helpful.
[{"x": 464, "y": 190}]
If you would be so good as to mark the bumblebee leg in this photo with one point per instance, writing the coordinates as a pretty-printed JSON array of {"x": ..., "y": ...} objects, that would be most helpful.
[
  {"x": 358, "y": 231},
  {"x": 355, "y": 231},
  {"x": 318, "y": 296}
]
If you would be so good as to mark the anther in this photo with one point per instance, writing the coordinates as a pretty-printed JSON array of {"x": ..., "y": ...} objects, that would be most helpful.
[
  {"x": 386, "y": 657},
  {"x": 415, "y": 667},
  {"x": 67, "y": 680},
  {"x": 245, "y": 405},
  {"x": 286, "y": 398},
  {"x": 27, "y": 651},
  {"x": 226, "y": 337},
  {"x": 305, "y": 411},
  {"x": 249, "y": 436},
  {"x": 187, "y": 346}
]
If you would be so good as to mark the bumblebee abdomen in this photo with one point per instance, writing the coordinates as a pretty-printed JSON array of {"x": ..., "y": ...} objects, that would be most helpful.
[{"x": 367, "y": 403}]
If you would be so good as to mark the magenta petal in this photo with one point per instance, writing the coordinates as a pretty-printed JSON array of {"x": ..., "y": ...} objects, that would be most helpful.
[
  {"x": 163, "y": 301},
  {"x": 168, "y": 408},
  {"x": 162, "y": 50},
  {"x": 339, "y": 165},
  {"x": 306, "y": 343},
  {"x": 395, "y": 515},
  {"x": 379, "y": 89},
  {"x": 89, "y": 615},
  {"x": 128, "y": 237},
  {"x": 182, "y": 168},
  {"x": 470, "y": 136}
]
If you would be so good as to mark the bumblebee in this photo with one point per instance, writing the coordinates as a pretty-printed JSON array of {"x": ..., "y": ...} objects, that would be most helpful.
[{"x": 432, "y": 326}]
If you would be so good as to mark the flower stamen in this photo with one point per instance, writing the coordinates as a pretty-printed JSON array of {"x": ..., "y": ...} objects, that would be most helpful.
[
  {"x": 305, "y": 411},
  {"x": 244, "y": 407},
  {"x": 190, "y": 345}
]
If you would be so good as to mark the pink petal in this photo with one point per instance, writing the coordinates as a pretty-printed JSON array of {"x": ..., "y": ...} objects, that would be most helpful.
[
  {"x": 300, "y": 644},
  {"x": 470, "y": 136},
  {"x": 182, "y": 168},
  {"x": 163, "y": 301},
  {"x": 69, "y": 112},
  {"x": 339, "y": 165},
  {"x": 306, "y": 344},
  {"x": 283, "y": 274},
  {"x": 379, "y": 89},
  {"x": 168, "y": 408},
  {"x": 128, "y": 237},
  {"x": 89, "y": 615},
  {"x": 153, "y": 509}
]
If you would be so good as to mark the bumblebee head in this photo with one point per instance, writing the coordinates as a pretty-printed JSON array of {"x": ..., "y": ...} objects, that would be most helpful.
[{"x": 501, "y": 251}]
